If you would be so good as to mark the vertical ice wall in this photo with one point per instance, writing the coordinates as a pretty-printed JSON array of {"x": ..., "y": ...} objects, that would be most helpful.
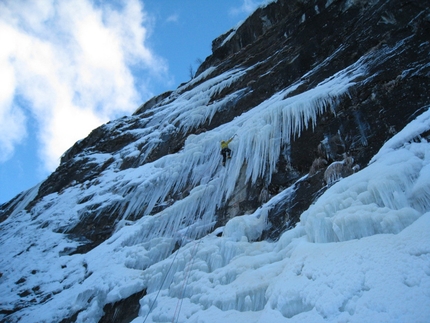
[
  {"x": 191, "y": 184},
  {"x": 260, "y": 134}
]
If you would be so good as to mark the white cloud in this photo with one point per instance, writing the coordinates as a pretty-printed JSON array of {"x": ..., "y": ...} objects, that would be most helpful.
[
  {"x": 12, "y": 130},
  {"x": 74, "y": 63},
  {"x": 173, "y": 18},
  {"x": 12, "y": 118},
  {"x": 247, "y": 7}
]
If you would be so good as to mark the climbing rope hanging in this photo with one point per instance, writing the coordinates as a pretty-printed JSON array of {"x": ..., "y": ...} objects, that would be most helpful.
[
  {"x": 161, "y": 286},
  {"x": 187, "y": 271},
  {"x": 184, "y": 285}
]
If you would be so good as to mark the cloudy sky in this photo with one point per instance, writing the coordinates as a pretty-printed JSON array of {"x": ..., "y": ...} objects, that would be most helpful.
[{"x": 69, "y": 66}]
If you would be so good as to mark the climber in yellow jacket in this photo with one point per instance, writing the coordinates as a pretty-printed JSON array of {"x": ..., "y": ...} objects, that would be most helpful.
[{"x": 225, "y": 151}]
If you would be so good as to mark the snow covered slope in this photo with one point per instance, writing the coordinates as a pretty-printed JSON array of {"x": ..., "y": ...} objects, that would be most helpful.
[{"x": 142, "y": 223}]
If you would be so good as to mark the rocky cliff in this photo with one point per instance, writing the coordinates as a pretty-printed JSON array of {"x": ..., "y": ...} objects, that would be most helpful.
[{"x": 311, "y": 88}]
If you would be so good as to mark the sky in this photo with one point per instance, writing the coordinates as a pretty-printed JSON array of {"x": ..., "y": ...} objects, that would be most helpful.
[{"x": 69, "y": 66}]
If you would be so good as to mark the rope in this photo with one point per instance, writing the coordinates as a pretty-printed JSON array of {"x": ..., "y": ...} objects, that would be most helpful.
[
  {"x": 165, "y": 277},
  {"x": 161, "y": 286},
  {"x": 184, "y": 285}
]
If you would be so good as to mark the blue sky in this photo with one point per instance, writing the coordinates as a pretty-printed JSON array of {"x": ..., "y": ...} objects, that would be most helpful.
[{"x": 70, "y": 66}]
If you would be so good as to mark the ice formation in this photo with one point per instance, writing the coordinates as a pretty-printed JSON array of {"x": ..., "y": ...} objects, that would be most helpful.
[{"x": 327, "y": 268}]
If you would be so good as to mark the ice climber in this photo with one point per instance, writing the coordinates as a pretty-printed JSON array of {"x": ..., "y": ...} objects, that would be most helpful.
[{"x": 225, "y": 151}]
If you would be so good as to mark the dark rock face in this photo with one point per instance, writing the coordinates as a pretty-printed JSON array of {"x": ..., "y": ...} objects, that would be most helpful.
[
  {"x": 123, "y": 311},
  {"x": 301, "y": 42}
]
